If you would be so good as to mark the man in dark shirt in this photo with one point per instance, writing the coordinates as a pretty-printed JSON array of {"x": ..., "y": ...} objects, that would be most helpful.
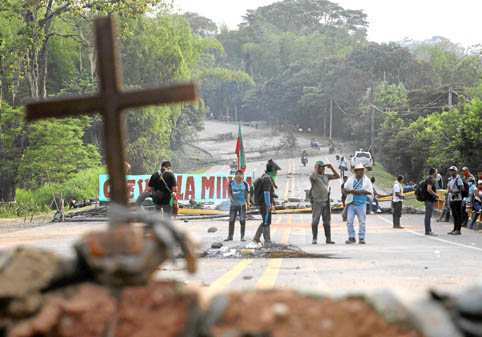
[
  {"x": 267, "y": 203},
  {"x": 163, "y": 185},
  {"x": 430, "y": 199}
]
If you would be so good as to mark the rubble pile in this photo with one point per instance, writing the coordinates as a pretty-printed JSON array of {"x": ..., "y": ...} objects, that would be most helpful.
[{"x": 252, "y": 249}]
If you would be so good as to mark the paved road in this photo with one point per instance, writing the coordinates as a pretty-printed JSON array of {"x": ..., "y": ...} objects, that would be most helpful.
[{"x": 404, "y": 260}]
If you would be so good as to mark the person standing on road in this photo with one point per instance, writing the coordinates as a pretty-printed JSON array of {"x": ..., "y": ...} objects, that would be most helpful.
[
  {"x": 477, "y": 204},
  {"x": 239, "y": 197},
  {"x": 468, "y": 178},
  {"x": 357, "y": 188},
  {"x": 343, "y": 166},
  {"x": 320, "y": 199},
  {"x": 439, "y": 181},
  {"x": 431, "y": 197},
  {"x": 397, "y": 201},
  {"x": 455, "y": 188},
  {"x": 163, "y": 185},
  {"x": 268, "y": 185}
]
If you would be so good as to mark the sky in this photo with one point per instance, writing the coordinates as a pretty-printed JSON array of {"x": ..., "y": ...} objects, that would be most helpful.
[{"x": 390, "y": 20}]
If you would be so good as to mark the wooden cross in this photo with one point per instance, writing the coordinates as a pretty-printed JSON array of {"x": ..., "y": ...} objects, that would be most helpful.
[{"x": 110, "y": 101}]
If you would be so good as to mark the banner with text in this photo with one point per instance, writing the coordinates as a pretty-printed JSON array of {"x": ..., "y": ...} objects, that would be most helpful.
[{"x": 198, "y": 187}]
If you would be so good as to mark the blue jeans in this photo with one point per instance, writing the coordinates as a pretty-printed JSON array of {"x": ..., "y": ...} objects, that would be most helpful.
[
  {"x": 376, "y": 203},
  {"x": 478, "y": 212},
  {"x": 361, "y": 212},
  {"x": 429, "y": 205}
]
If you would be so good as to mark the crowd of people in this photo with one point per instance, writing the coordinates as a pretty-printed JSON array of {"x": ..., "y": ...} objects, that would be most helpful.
[{"x": 463, "y": 197}]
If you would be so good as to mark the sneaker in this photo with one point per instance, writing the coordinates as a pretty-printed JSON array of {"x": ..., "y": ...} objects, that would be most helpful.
[
  {"x": 350, "y": 241},
  {"x": 314, "y": 242},
  {"x": 379, "y": 210},
  {"x": 228, "y": 239},
  {"x": 398, "y": 227},
  {"x": 361, "y": 241},
  {"x": 439, "y": 220},
  {"x": 456, "y": 233},
  {"x": 329, "y": 242},
  {"x": 243, "y": 239},
  {"x": 451, "y": 233},
  {"x": 431, "y": 234},
  {"x": 372, "y": 212},
  {"x": 256, "y": 241}
]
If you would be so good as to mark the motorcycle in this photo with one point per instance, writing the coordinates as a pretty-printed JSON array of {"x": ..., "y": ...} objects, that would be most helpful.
[{"x": 304, "y": 160}]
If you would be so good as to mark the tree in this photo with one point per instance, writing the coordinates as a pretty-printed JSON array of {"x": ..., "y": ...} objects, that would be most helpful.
[{"x": 56, "y": 152}]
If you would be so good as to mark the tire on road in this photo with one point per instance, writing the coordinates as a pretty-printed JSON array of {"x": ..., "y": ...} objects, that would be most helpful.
[{"x": 143, "y": 201}]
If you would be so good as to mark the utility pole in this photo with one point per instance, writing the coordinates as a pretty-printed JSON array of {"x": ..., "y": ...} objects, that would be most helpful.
[
  {"x": 450, "y": 97},
  {"x": 372, "y": 128},
  {"x": 331, "y": 116},
  {"x": 236, "y": 112},
  {"x": 324, "y": 122}
]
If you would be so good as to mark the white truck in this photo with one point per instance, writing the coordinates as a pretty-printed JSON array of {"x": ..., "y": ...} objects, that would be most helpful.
[{"x": 363, "y": 157}]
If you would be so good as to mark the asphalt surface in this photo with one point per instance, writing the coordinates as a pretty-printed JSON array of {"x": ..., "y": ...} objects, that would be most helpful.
[{"x": 403, "y": 260}]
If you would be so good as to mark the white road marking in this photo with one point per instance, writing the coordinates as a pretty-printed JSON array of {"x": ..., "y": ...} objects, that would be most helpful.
[{"x": 434, "y": 238}]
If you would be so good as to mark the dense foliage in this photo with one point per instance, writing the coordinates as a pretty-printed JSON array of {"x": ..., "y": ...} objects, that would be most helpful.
[{"x": 306, "y": 56}]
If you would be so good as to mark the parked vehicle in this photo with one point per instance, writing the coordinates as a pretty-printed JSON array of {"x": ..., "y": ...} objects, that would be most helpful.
[{"x": 362, "y": 157}]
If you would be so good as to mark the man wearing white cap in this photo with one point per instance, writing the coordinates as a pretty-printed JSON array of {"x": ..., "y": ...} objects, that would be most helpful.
[
  {"x": 357, "y": 188},
  {"x": 455, "y": 188}
]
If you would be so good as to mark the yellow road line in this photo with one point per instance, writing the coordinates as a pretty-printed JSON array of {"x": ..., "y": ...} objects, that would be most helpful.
[
  {"x": 229, "y": 276},
  {"x": 270, "y": 275},
  {"x": 223, "y": 281}
]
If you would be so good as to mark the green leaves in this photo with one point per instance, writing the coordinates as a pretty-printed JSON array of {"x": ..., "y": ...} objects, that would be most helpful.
[{"x": 56, "y": 152}]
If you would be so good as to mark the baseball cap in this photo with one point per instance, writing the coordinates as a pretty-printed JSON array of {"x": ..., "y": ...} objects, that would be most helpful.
[
  {"x": 321, "y": 162},
  {"x": 465, "y": 168},
  {"x": 452, "y": 168}
]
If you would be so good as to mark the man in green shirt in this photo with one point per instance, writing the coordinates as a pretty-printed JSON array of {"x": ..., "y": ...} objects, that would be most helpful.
[{"x": 320, "y": 199}]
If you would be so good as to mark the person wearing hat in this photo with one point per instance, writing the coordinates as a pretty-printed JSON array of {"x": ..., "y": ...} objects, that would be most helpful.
[
  {"x": 476, "y": 204},
  {"x": 320, "y": 199},
  {"x": 455, "y": 188},
  {"x": 357, "y": 188},
  {"x": 267, "y": 202}
]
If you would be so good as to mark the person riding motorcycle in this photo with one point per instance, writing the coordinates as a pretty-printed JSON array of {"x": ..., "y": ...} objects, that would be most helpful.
[
  {"x": 233, "y": 167},
  {"x": 304, "y": 157}
]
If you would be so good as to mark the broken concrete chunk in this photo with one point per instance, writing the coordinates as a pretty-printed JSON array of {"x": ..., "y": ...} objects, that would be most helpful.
[
  {"x": 27, "y": 270},
  {"x": 216, "y": 245},
  {"x": 212, "y": 229}
]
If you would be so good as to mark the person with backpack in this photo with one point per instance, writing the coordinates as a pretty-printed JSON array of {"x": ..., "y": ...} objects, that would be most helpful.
[
  {"x": 320, "y": 199},
  {"x": 264, "y": 188},
  {"x": 427, "y": 192},
  {"x": 397, "y": 201},
  {"x": 239, "y": 197},
  {"x": 163, "y": 185},
  {"x": 357, "y": 188},
  {"x": 457, "y": 188}
]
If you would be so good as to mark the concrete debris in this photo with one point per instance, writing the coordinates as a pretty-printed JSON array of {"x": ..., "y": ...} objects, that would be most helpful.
[
  {"x": 271, "y": 250},
  {"x": 223, "y": 206},
  {"x": 247, "y": 277},
  {"x": 216, "y": 245},
  {"x": 212, "y": 230}
]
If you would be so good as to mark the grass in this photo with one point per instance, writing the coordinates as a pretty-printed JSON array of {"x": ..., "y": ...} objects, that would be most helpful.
[
  {"x": 200, "y": 171},
  {"x": 385, "y": 181}
]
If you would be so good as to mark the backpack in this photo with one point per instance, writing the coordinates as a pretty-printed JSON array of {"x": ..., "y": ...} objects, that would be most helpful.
[
  {"x": 256, "y": 195},
  {"x": 465, "y": 193},
  {"x": 421, "y": 191}
]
